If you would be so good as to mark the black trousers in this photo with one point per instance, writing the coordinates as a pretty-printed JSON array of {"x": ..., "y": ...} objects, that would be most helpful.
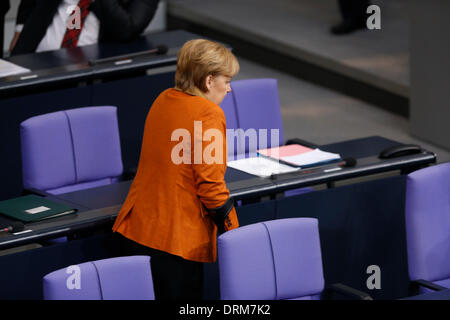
[{"x": 174, "y": 278}]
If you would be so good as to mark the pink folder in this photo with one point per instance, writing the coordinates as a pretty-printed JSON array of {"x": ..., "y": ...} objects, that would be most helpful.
[{"x": 284, "y": 151}]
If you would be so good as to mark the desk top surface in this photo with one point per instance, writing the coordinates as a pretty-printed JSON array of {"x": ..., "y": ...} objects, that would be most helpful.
[
  {"x": 73, "y": 64},
  {"x": 437, "y": 295},
  {"x": 100, "y": 206}
]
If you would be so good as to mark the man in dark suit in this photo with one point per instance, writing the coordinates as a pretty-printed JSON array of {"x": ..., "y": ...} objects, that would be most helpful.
[
  {"x": 353, "y": 14},
  {"x": 49, "y": 25},
  {"x": 4, "y": 7}
]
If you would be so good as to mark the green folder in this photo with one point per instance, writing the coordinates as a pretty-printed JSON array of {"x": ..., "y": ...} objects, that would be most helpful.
[{"x": 33, "y": 208}]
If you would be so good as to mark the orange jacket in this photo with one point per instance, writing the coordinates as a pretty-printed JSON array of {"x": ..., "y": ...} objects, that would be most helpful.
[{"x": 165, "y": 207}]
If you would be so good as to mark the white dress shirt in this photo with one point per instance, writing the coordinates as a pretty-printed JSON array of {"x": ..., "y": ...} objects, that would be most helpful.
[{"x": 57, "y": 29}]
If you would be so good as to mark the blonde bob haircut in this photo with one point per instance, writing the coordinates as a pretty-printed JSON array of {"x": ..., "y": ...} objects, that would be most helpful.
[{"x": 200, "y": 58}]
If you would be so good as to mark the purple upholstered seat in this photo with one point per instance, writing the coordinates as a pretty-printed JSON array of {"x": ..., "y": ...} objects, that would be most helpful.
[
  {"x": 258, "y": 113},
  {"x": 258, "y": 109},
  {"x": 427, "y": 213},
  {"x": 272, "y": 260},
  {"x": 70, "y": 150},
  {"x": 229, "y": 108},
  {"x": 122, "y": 278}
]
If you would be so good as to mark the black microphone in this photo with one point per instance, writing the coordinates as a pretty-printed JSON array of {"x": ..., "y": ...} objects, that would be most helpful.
[
  {"x": 14, "y": 227},
  {"x": 347, "y": 162},
  {"x": 159, "y": 49}
]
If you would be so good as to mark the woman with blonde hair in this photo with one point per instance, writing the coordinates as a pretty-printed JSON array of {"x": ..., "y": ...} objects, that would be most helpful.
[{"x": 179, "y": 201}]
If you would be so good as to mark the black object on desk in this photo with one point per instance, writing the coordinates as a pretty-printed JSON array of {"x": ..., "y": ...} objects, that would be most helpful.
[
  {"x": 12, "y": 227},
  {"x": 160, "y": 49},
  {"x": 400, "y": 151}
]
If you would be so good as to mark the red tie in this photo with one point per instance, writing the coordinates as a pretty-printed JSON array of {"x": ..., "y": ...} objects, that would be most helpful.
[{"x": 71, "y": 37}]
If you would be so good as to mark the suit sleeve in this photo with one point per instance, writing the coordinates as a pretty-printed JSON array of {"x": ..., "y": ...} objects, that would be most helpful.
[
  {"x": 209, "y": 171},
  {"x": 124, "y": 22},
  {"x": 26, "y": 7}
]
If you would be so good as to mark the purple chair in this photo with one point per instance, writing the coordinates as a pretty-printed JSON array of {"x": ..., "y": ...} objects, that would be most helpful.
[
  {"x": 274, "y": 260},
  {"x": 122, "y": 278},
  {"x": 71, "y": 150},
  {"x": 257, "y": 106},
  {"x": 229, "y": 108},
  {"x": 427, "y": 214}
]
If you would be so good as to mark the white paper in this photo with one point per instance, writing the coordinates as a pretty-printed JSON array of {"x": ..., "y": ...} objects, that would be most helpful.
[
  {"x": 312, "y": 157},
  {"x": 37, "y": 210},
  {"x": 9, "y": 69},
  {"x": 260, "y": 166}
]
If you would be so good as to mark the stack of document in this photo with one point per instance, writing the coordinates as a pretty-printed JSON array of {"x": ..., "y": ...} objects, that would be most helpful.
[
  {"x": 283, "y": 159},
  {"x": 299, "y": 156},
  {"x": 9, "y": 69},
  {"x": 259, "y": 166}
]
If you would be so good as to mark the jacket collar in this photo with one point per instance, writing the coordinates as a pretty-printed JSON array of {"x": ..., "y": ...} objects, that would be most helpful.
[{"x": 193, "y": 92}]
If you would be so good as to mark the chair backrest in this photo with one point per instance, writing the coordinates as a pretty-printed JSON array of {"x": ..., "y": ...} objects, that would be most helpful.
[
  {"x": 258, "y": 109},
  {"x": 71, "y": 150},
  {"x": 427, "y": 214},
  {"x": 122, "y": 278},
  {"x": 278, "y": 259},
  {"x": 229, "y": 108}
]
